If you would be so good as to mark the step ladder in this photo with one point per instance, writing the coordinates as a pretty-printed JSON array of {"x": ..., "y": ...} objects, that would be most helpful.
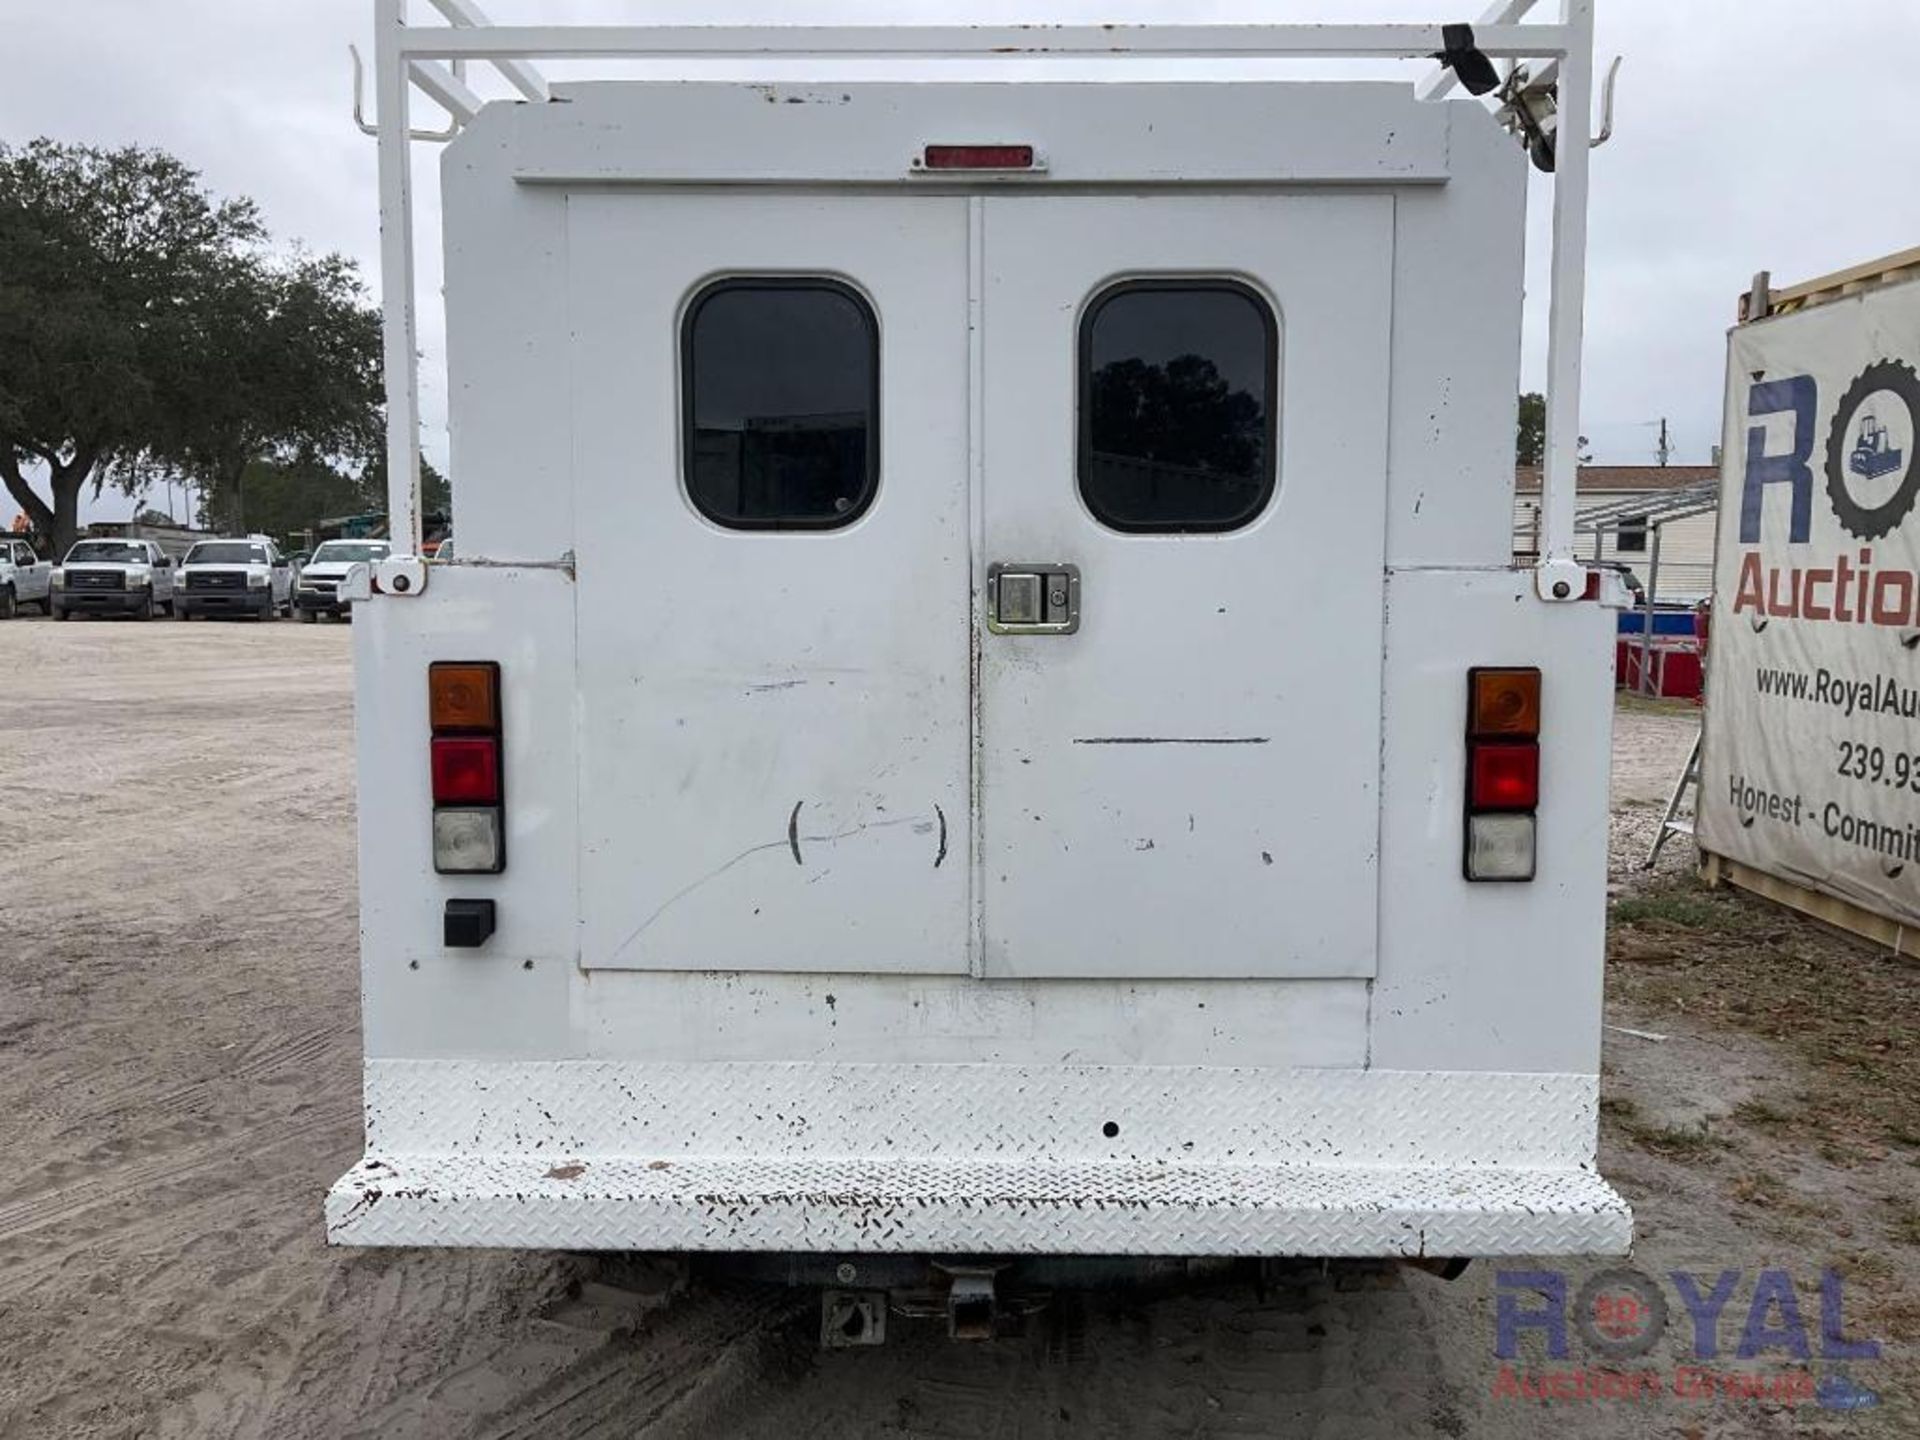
[{"x": 1670, "y": 823}]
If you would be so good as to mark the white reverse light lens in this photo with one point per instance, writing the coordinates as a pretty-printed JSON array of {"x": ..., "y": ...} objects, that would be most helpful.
[
  {"x": 1500, "y": 847},
  {"x": 466, "y": 841}
]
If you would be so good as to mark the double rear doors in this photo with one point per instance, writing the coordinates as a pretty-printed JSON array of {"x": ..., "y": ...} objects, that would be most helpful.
[{"x": 979, "y": 584}]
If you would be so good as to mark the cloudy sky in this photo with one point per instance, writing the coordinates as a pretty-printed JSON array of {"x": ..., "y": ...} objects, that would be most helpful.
[{"x": 1751, "y": 134}]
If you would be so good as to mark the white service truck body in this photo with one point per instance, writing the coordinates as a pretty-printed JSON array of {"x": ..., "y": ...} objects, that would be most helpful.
[{"x": 861, "y": 889}]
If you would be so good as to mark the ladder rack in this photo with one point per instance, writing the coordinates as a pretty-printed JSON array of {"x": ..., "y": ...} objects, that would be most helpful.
[{"x": 1557, "y": 78}]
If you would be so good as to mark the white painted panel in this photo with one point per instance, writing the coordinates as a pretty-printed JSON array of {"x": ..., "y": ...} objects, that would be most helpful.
[
  {"x": 1160, "y": 133},
  {"x": 891, "y": 1019},
  {"x": 1457, "y": 267},
  {"x": 1189, "y": 785},
  {"x": 508, "y": 379},
  {"x": 774, "y": 744},
  {"x": 523, "y": 995},
  {"x": 512, "y": 996},
  {"x": 1491, "y": 976}
]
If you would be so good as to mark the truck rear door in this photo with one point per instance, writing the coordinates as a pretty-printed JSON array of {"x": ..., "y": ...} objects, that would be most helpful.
[
  {"x": 984, "y": 583},
  {"x": 771, "y": 496},
  {"x": 1186, "y": 400}
]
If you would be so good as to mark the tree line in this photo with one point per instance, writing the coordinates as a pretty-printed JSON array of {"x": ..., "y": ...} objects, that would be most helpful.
[{"x": 150, "y": 331}]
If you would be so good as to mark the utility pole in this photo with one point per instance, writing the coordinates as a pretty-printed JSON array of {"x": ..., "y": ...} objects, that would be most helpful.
[{"x": 1665, "y": 448}]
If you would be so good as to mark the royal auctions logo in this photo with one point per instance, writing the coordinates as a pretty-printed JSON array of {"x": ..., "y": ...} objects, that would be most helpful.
[
  {"x": 1872, "y": 476},
  {"x": 1785, "y": 1352}
]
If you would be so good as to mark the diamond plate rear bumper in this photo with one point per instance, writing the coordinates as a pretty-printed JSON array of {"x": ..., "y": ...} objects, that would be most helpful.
[
  {"x": 1010, "y": 1208},
  {"x": 994, "y": 1159}
]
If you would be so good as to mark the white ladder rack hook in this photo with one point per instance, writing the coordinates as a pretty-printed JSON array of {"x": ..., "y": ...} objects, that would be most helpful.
[
  {"x": 1606, "y": 105},
  {"x": 368, "y": 128}
]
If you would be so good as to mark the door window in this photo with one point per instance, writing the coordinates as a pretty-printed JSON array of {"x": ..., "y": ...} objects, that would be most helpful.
[
  {"x": 780, "y": 388},
  {"x": 1178, "y": 389}
]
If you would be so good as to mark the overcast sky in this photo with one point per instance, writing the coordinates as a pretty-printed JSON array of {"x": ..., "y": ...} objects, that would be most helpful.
[{"x": 1750, "y": 134}]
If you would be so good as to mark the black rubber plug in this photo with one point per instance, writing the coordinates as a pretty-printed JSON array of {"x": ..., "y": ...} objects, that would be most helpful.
[{"x": 468, "y": 923}]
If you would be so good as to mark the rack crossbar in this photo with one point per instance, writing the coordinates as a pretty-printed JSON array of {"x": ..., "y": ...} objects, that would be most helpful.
[{"x": 1276, "y": 42}]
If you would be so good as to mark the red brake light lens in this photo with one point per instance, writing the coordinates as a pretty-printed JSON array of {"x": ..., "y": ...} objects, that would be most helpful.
[
  {"x": 466, "y": 770},
  {"x": 978, "y": 157},
  {"x": 1505, "y": 777}
]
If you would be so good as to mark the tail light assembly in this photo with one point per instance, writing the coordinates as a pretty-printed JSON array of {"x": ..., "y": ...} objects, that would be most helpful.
[
  {"x": 1503, "y": 772},
  {"x": 464, "y": 760}
]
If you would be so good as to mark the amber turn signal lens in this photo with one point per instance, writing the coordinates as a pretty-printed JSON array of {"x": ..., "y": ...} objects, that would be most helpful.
[
  {"x": 1503, "y": 702},
  {"x": 463, "y": 695}
]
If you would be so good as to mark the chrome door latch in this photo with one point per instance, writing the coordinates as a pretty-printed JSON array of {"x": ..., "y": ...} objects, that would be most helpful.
[{"x": 1033, "y": 599}]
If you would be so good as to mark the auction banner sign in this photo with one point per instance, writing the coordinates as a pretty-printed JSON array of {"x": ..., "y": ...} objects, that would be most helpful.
[{"x": 1811, "y": 765}]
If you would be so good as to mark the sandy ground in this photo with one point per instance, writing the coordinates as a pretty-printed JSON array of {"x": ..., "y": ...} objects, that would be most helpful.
[{"x": 178, "y": 1077}]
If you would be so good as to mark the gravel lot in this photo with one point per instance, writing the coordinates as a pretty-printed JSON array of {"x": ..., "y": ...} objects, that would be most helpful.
[{"x": 178, "y": 1069}]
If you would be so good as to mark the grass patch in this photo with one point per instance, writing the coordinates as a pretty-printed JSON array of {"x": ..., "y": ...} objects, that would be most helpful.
[
  {"x": 1681, "y": 909},
  {"x": 1905, "y": 1223},
  {"x": 1762, "y": 1116},
  {"x": 1877, "y": 1305},
  {"x": 1760, "y": 1188},
  {"x": 1849, "y": 1010},
  {"x": 1675, "y": 1142}
]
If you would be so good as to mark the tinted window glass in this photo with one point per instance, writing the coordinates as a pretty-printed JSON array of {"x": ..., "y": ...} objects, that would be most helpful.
[
  {"x": 226, "y": 552},
  {"x": 348, "y": 552},
  {"x": 781, "y": 381},
  {"x": 119, "y": 552},
  {"x": 1177, "y": 399}
]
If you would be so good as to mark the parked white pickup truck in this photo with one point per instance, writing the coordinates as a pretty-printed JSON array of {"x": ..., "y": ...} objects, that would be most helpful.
[
  {"x": 25, "y": 579},
  {"x": 113, "y": 577},
  {"x": 317, "y": 592},
  {"x": 235, "y": 577}
]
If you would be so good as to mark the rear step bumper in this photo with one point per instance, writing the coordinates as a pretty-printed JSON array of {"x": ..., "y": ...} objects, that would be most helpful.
[
  {"x": 974, "y": 1158},
  {"x": 741, "y": 1203}
]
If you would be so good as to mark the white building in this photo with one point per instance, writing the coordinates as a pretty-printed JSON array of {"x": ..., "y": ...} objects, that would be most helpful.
[{"x": 1686, "y": 545}]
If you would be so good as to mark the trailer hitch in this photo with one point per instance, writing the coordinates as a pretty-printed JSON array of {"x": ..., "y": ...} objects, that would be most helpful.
[{"x": 972, "y": 1300}]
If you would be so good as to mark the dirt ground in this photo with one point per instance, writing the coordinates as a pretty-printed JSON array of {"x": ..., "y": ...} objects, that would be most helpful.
[{"x": 178, "y": 1077}]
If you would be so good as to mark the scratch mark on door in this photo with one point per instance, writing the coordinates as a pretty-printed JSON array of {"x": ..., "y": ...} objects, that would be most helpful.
[
  {"x": 943, "y": 836},
  {"x": 793, "y": 832},
  {"x": 1171, "y": 739},
  {"x": 792, "y": 843}
]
